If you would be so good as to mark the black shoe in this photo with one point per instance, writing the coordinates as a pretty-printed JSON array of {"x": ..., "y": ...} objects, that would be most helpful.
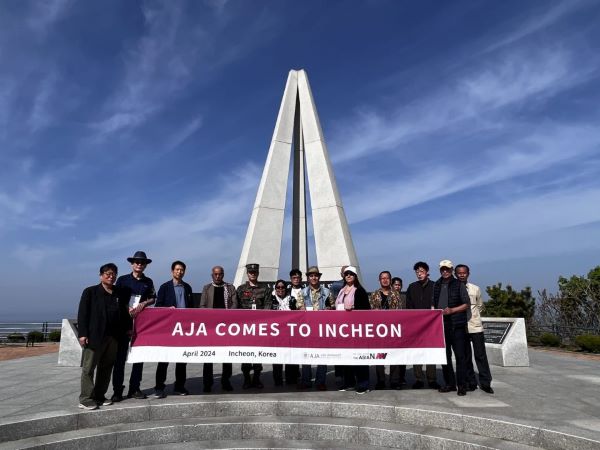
[
  {"x": 138, "y": 395},
  {"x": 380, "y": 385},
  {"x": 472, "y": 387},
  {"x": 462, "y": 391},
  {"x": 257, "y": 384},
  {"x": 418, "y": 385},
  {"x": 362, "y": 390},
  {"x": 116, "y": 398},
  {"x": 226, "y": 386},
  {"x": 433, "y": 385},
  {"x": 207, "y": 389},
  {"x": 394, "y": 386},
  {"x": 445, "y": 389},
  {"x": 487, "y": 389},
  {"x": 180, "y": 391}
]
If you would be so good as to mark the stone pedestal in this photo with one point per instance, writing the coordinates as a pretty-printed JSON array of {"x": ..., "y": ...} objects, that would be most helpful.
[
  {"x": 506, "y": 341},
  {"x": 70, "y": 351}
]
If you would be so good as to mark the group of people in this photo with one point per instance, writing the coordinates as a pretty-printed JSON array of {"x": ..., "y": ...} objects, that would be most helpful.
[{"x": 107, "y": 310}]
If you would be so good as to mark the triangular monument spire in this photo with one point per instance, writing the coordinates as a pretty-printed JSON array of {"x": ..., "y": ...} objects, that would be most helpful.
[{"x": 297, "y": 126}]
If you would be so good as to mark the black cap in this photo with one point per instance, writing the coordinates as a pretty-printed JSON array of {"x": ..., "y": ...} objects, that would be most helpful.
[
  {"x": 252, "y": 267},
  {"x": 139, "y": 256}
]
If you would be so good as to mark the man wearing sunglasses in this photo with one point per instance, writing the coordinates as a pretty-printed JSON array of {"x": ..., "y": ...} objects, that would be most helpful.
[
  {"x": 141, "y": 293},
  {"x": 451, "y": 296}
]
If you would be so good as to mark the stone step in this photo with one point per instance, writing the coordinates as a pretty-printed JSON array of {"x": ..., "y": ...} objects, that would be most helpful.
[
  {"x": 276, "y": 431},
  {"x": 218, "y": 408},
  {"x": 252, "y": 444}
]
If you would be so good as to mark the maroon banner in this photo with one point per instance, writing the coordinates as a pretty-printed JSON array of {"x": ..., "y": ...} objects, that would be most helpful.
[{"x": 217, "y": 335}]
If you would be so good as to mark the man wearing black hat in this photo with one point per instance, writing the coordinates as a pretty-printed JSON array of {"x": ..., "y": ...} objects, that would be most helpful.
[
  {"x": 140, "y": 290},
  {"x": 251, "y": 295}
]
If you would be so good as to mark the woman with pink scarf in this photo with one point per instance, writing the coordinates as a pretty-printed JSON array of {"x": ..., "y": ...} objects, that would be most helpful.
[{"x": 353, "y": 296}]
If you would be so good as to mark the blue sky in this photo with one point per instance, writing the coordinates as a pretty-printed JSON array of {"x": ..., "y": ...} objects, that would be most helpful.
[{"x": 461, "y": 130}]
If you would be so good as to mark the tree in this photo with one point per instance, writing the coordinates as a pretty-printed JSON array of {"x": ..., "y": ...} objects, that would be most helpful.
[
  {"x": 509, "y": 303},
  {"x": 576, "y": 305}
]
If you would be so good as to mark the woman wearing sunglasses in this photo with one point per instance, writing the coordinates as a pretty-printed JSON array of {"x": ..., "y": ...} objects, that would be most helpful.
[
  {"x": 353, "y": 296},
  {"x": 280, "y": 301}
]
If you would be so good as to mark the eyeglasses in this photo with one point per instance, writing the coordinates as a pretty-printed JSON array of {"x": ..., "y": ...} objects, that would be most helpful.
[
  {"x": 445, "y": 269},
  {"x": 348, "y": 273},
  {"x": 109, "y": 274},
  {"x": 140, "y": 263}
]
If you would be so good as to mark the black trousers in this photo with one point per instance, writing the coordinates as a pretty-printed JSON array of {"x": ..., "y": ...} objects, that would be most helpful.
[
  {"x": 247, "y": 367},
  {"x": 483, "y": 367},
  {"x": 118, "y": 374},
  {"x": 357, "y": 376},
  {"x": 456, "y": 341},
  {"x": 161, "y": 375},
  {"x": 207, "y": 374}
]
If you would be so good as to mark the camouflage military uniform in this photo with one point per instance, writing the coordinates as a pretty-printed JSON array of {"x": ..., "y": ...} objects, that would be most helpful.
[
  {"x": 394, "y": 301},
  {"x": 248, "y": 295}
]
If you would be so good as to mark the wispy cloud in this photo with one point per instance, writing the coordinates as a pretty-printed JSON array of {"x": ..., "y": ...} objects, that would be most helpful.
[
  {"x": 553, "y": 13},
  {"x": 27, "y": 198},
  {"x": 44, "y": 14},
  {"x": 185, "y": 133},
  {"x": 224, "y": 211},
  {"x": 157, "y": 67},
  {"x": 542, "y": 149},
  {"x": 509, "y": 80}
]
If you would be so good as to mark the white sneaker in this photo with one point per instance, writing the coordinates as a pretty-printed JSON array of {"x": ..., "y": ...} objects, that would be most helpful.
[
  {"x": 107, "y": 402},
  {"x": 89, "y": 408}
]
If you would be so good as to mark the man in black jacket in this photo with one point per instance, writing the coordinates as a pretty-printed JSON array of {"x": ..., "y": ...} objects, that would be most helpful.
[
  {"x": 102, "y": 320},
  {"x": 140, "y": 290},
  {"x": 419, "y": 295},
  {"x": 175, "y": 293},
  {"x": 451, "y": 296}
]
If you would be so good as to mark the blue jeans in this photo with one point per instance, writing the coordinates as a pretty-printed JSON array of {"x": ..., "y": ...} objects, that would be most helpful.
[{"x": 319, "y": 378}]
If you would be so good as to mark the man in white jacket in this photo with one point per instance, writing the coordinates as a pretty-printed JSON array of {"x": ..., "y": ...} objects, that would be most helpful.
[{"x": 475, "y": 336}]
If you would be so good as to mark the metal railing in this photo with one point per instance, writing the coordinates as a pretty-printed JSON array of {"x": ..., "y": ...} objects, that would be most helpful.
[
  {"x": 23, "y": 328},
  {"x": 565, "y": 333}
]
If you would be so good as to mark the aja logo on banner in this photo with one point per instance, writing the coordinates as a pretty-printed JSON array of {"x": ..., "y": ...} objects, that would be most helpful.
[{"x": 369, "y": 355}]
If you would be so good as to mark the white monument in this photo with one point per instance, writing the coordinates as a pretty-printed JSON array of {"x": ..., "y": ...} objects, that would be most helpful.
[{"x": 297, "y": 128}]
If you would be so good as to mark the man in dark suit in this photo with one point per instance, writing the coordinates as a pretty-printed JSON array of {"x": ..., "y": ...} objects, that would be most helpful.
[
  {"x": 175, "y": 293},
  {"x": 102, "y": 319},
  {"x": 221, "y": 295}
]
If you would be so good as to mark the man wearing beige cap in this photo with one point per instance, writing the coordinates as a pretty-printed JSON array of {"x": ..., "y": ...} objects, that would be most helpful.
[
  {"x": 451, "y": 296},
  {"x": 314, "y": 298}
]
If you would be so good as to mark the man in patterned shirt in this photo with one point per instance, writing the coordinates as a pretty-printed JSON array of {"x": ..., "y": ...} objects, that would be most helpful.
[
  {"x": 314, "y": 298},
  {"x": 387, "y": 298}
]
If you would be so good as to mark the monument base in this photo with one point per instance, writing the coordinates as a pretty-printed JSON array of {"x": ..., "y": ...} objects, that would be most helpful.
[{"x": 506, "y": 341}]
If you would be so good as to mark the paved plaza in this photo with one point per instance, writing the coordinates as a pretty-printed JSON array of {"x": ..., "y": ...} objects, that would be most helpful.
[{"x": 560, "y": 392}]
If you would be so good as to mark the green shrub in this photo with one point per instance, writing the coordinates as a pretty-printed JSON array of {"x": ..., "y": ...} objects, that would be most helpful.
[
  {"x": 550, "y": 340},
  {"x": 35, "y": 336},
  {"x": 54, "y": 336},
  {"x": 15, "y": 337},
  {"x": 589, "y": 342}
]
